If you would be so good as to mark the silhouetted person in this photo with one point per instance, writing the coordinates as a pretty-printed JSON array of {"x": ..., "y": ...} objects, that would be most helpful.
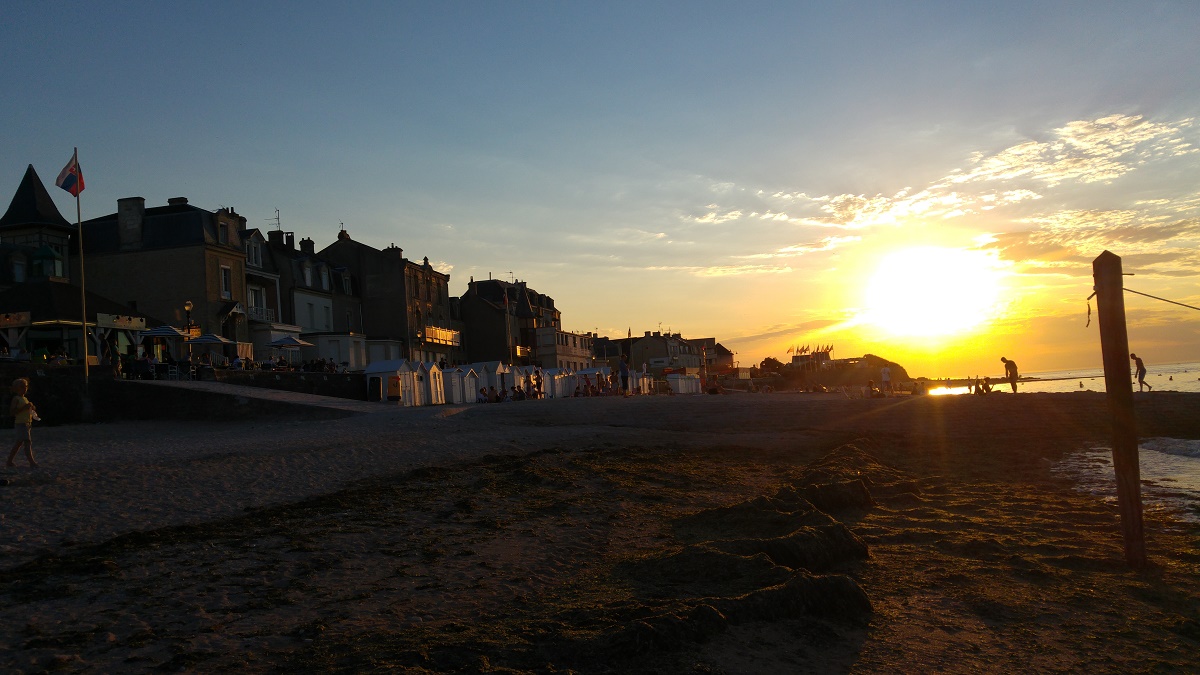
[
  {"x": 1010, "y": 372},
  {"x": 1141, "y": 373}
]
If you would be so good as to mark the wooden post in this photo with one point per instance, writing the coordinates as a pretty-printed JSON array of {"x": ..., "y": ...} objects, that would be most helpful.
[{"x": 1114, "y": 343}]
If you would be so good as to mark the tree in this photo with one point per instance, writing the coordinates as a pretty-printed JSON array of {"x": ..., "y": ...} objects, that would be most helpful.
[{"x": 771, "y": 365}]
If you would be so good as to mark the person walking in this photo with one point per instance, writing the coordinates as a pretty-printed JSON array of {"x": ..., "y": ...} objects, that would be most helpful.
[
  {"x": 24, "y": 412},
  {"x": 1141, "y": 373},
  {"x": 1010, "y": 372}
]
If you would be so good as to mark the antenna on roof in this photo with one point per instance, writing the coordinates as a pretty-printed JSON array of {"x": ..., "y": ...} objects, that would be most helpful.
[
  {"x": 511, "y": 279},
  {"x": 343, "y": 226},
  {"x": 276, "y": 219}
]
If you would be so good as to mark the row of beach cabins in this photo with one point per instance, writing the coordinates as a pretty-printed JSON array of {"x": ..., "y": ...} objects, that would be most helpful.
[{"x": 415, "y": 383}]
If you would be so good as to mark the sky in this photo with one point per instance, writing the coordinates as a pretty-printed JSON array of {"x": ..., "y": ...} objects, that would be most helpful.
[{"x": 928, "y": 182}]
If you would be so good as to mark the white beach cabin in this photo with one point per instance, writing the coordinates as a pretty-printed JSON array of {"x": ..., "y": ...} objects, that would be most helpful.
[
  {"x": 492, "y": 374},
  {"x": 387, "y": 380},
  {"x": 460, "y": 384},
  {"x": 430, "y": 384}
]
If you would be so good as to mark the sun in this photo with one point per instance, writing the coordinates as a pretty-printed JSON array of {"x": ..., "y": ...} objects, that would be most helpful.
[{"x": 932, "y": 291}]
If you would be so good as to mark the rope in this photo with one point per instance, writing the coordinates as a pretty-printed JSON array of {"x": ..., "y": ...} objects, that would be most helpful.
[{"x": 1130, "y": 290}]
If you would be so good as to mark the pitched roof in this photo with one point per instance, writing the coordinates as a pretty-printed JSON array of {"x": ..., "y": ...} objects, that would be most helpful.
[{"x": 32, "y": 205}]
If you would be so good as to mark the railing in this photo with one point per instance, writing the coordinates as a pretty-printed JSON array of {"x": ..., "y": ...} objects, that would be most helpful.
[{"x": 261, "y": 314}]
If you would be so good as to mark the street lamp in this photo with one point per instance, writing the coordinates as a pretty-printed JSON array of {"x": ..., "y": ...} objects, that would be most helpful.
[{"x": 187, "y": 310}]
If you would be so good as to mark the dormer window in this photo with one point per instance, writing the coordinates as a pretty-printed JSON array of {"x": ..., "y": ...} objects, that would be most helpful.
[
  {"x": 223, "y": 233},
  {"x": 254, "y": 253},
  {"x": 308, "y": 275},
  {"x": 324, "y": 278}
]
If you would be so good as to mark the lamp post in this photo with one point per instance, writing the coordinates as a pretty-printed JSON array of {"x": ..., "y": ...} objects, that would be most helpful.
[{"x": 187, "y": 310}]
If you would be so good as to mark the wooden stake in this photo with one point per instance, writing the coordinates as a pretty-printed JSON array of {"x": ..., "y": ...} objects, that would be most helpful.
[{"x": 1114, "y": 344}]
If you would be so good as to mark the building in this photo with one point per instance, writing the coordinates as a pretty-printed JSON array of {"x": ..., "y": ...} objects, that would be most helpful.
[
  {"x": 513, "y": 323},
  {"x": 665, "y": 352},
  {"x": 406, "y": 309},
  {"x": 180, "y": 263},
  {"x": 318, "y": 296},
  {"x": 34, "y": 237},
  {"x": 40, "y": 311},
  {"x": 716, "y": 357}
]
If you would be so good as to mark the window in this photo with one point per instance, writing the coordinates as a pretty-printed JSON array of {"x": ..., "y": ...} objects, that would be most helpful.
[
  {"x": 223, "y": 233},
  {"x": 254, "y": 253},
  {"x": 226, "y": 283},
  {"x": 307, "y": 274},
  {"x": 18, "y": 271},
  {"x": 256, "y": 296},
  {"x": 312, "y": 316},
  {"x": 328, "y": 318},
  {"x": 325, "y": 278}
]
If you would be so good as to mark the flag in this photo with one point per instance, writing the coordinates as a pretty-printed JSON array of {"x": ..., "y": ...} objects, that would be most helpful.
[
  {"x": 71, "y": 177},
  {"x": 789, "y": 350}
]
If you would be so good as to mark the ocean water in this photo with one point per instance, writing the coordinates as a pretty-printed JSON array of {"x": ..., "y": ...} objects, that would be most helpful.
[
  {"x": 1170, "y": 473},
  {"x": 1166, "y": 377}
]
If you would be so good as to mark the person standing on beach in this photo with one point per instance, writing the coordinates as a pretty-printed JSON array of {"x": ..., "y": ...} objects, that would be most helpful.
[
  {"x": 25, "y": 412},
  {"x": 1010, "y": 372},
  {"x": 624, "y": 367},
  {"x": 1141, "y": 372},
  {"x": 885, "y": 380}
]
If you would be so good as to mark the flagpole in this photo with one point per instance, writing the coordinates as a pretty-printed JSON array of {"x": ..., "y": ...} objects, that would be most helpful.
[{"x": 82, "y": 276}]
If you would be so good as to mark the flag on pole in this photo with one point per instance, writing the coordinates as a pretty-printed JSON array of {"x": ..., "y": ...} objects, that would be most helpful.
[
  {"x": 789, "y": 350},
  {"x": 71, "y": 177}
]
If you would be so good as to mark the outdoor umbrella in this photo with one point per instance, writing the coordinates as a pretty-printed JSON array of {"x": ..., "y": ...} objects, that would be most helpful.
[
  {"x": 210, "y": 339},
  {"x": 164, "y": 332},
  {"x": 289, "y": 342}
]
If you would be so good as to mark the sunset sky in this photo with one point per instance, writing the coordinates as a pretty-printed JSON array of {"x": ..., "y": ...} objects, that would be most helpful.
[{"x": 928, "y": 182}]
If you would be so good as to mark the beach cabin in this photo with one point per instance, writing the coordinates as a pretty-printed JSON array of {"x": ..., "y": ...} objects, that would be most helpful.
[
  {"x": 389, "y": 380},
  {"x": 591, "y": 376},
  {"x": 558, "y": 383},
  {"x": 640, "y": 383},
  {"x": 460, "y": 385},
  {"x": 523, "y": 377},
  {"x": 492, "y": 374},
  {"x": 430, "y": 384},
  {"x": 685, "y": 384}
]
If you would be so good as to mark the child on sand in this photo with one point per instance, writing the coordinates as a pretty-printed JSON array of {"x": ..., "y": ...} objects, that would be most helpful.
[{"x": 25, "y": 413}]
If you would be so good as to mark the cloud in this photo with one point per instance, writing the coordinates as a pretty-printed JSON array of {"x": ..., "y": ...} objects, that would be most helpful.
[
  {"x": 1086, "y": 151},
  {"x": 797, "y": 250},
  {"x": 723, "y": 270}
]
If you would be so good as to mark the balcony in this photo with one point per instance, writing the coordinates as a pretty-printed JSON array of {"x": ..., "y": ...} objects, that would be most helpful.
[{"x": 261, "y": 314}]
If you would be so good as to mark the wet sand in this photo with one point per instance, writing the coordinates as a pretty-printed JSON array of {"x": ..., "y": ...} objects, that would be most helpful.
[{"x": 655, "y": 534}]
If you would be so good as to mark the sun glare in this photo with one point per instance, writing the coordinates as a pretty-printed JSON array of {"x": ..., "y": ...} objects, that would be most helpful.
[{"x": 932, "y": 292}]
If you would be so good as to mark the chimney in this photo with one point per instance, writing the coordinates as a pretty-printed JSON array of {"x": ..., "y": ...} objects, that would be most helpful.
[
  {"x": 275, "y": 237},
  {"x": 131, "y": 215},
  {"x": 394, "y": 250},
  {"x": 290, "y": 240},
  {"x": 307, "y": 246},
  {"x": 647, "y": 334},
  {"x": 177, "y": 201},
  {"x": 343, "y": 235},
  {"x": 657, "y": 334}
]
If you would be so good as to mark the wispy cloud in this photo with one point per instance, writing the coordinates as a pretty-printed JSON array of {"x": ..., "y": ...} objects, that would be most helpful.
[{"x": 797, "y": 250}]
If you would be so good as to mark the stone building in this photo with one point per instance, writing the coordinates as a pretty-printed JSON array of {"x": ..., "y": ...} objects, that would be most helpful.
[
  {"x": 513, "y": 323},
  {"x": 318, "y": 295},
  {"x": 406, "y": 305},
  {"x": 159, "y": 259}
]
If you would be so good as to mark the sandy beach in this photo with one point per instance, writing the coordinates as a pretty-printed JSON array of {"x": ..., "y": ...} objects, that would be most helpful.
[{"x": 713, "y": 534}]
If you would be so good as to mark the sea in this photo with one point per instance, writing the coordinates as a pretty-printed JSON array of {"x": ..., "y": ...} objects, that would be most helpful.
[{"x": 1170, "y": 467}]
